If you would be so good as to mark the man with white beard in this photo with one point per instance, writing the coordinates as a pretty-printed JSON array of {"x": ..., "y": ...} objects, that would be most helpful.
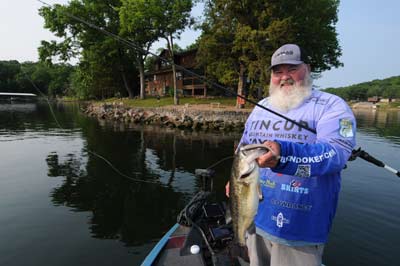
[{"x": 300, "y": 178}]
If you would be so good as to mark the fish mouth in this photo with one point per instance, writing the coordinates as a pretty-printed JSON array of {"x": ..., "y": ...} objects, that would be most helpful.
[
  {"x": 249, "y": 153},
  {"x": 248, "y": 171},
  {"x": 250, "y": 147}
]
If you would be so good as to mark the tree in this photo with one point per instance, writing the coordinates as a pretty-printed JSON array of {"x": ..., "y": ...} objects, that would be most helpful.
[
  {"x": 60, "y": 84},
  {"x": 373, "y": 91},
  {"x": 391, "y": 92},
  {"x": 240, "y": 36},
  {"x": 108, "y": 63},
  {"x": 138, "y": 26},
  {"x": 142, "y": 23},
  {"x": 172, "y": 21},
  {"x": 8, "y": 72}
]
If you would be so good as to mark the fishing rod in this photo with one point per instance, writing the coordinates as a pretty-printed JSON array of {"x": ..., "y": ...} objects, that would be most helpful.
[
  {"x": 355, "y": 153},
  {"x": 366, "y": 156},
  {"x": 179, "y": 67}
]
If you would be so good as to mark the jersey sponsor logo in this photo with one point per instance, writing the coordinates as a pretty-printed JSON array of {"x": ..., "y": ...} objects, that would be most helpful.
[
  {"x": 295, "y": 187},
  {"x": 276, "y": 125},
  {"x": 303, "y": 170},
  {"x": 308, "y": 159},
  {"x": 260, "y": 130},
  {"x": 291, "y": 205},
  {"x": 280, "y": 220},
  {"x": 268, "y": 183},
  {"x": 346, "y": 128},
  {"x": 318, "y": 100}
]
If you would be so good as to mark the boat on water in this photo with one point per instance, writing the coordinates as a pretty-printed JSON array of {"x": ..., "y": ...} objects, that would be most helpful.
[
  {"x": 202, "y": 241},
  {"x": 7, "y": 97},
  {"x": 200, "y": 237}
]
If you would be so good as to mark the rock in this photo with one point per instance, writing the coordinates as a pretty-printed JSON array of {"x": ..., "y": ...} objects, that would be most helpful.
[{"x": 171, "y": 117}]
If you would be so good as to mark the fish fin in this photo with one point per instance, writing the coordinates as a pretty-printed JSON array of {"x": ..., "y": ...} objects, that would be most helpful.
[
  {"x": 228, "y": 216},
  {"x": 260, "y": 195}
]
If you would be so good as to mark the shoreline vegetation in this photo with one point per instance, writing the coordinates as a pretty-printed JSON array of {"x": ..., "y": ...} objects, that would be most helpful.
[{"x": 204, "y": 114}]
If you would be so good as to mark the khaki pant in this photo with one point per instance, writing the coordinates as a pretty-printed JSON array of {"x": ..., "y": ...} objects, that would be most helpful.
[{"x": 263, "y": 252}]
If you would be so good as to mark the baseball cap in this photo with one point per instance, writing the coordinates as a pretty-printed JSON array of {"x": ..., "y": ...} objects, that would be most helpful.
[{"x": 287, "y": 54}]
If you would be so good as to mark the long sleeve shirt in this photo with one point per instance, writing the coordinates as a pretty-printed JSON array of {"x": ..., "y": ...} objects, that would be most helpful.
[{"x": 301, "y": 193}]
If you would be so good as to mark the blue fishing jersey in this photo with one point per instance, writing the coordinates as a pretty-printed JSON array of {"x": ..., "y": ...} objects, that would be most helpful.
[{"x": 300, "y": 195}]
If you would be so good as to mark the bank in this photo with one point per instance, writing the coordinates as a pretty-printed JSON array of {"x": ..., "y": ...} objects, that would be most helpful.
[{"x": 207, "y": 117}]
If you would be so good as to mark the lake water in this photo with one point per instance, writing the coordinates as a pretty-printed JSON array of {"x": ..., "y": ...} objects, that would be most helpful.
[{"x": 62, "y": 205}]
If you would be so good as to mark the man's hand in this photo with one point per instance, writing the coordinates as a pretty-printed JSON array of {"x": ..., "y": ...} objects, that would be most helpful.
[
  {"x": 270, "y": 159},
  {"x": 227, "y": 189}
]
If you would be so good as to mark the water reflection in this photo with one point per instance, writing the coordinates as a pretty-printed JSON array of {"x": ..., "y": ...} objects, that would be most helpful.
[
  {"x": 17, "y": 107},
  {"x": 42, "y": 161},
  {"x": 380, "y": 122},
  {"x": 120, "y": 208}
]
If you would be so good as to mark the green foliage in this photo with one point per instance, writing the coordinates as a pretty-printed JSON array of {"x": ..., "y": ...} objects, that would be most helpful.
[
  {"x": 82, "y": 85},
  {"x": 106, "y": 66},
  {"x": 60, "y": 80},
  {"x": 8, "y": 72},
  {"x": 49, "y": 79},
  {"x": 386, "y": 88},
  {"x": 139, "y": 22},
  {"x": 243, "y": 34}
]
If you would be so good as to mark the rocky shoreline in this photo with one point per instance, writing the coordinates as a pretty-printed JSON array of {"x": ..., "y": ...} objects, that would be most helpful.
[{"x": 193, "y": 117}]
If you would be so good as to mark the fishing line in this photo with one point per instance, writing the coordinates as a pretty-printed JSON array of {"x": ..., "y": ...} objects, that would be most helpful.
[
  {"x": 220, "y": 161},
  {"x": 43, "y": 95},
  {"x": 216, "y": 85},
  {"x": 85, "y": 149},
  {"x": 179, "y": 67}
]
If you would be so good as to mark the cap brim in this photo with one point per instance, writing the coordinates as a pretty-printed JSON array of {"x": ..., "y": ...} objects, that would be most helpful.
[{"x": 286, "y": 62}]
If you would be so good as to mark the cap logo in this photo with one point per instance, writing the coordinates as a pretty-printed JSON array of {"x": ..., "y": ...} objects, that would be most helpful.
[{"x": 284, "y": 53}]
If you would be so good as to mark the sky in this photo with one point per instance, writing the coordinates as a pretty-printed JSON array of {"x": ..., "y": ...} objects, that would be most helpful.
[{"x": 368, "y": 33}]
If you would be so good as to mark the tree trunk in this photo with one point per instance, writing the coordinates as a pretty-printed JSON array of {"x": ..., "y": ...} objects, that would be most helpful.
[
  {"x": 171, "y": 53},
  {"x": 123, "y": 74},
  {"x": 127, "y": 87},
  {"x": 241, "y": 84},
  {"x": 141, "y": 76}
]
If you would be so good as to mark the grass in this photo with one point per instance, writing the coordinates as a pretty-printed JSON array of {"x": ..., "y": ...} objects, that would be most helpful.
[
  {"x": 69, "y": 98},
  {"x": 392, "y": 105},
  {"x": 164, "y": 101}
]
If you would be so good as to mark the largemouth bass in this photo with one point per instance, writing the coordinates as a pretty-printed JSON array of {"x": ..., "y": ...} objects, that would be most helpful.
[{"x": 244, "y": 189}]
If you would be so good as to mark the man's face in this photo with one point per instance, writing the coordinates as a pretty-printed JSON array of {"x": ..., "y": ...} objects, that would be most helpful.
[
  {"x": 285, "y": 75},
  {"x": 289, "y": 86}
]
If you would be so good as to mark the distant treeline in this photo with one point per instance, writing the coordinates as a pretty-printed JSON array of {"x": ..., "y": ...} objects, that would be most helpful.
[
  {"x": 53, "y": 80},
  {"x": 385, "y": 88}
]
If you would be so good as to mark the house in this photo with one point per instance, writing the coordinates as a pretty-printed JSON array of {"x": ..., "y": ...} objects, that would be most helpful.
[
  {"x": 374, "y": 99},
  {"x": 386, "y": 100},
  {"x": 159, "y": 81}
]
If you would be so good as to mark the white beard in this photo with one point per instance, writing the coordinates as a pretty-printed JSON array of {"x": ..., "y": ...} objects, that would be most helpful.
[{"x": 287, "y": 98}]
